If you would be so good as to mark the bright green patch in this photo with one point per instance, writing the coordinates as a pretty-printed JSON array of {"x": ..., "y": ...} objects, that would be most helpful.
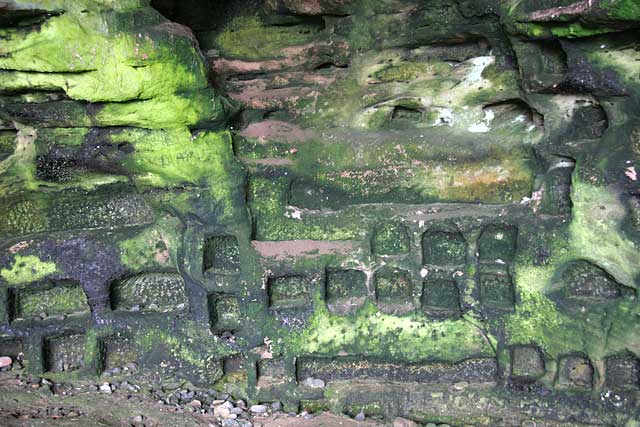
[
  {"x": 53, "y": 301},
  {"x": 538, "y": 321},
  {"x": 153, "y": 248},
  {"x": 26, "y": 269},
  {"x": 372, "y": 333}
]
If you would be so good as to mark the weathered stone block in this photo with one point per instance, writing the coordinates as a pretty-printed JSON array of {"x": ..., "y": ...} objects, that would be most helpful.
[
  {"x": 395, "y": 291},
  {"x": 390, "y": 239},
  {"x": 527, "y": 363},
  {"x": 574, "y": 371},
  {"x": 440, "y": 298},
  {"x": 49, "y": 299},
  {"x": 444, "y": 248},
  {"x": 85, "y": 212},
  {"x": 224, "y": 312},
  {"x": 159, "y": 292},
  {"x": 64, "y": 353},
  {"x": 289, "y": 292},
  {"x": 221, "y": 254},
  {"x": 346, "y": 290},
  {"x": 622, "y": 372}
]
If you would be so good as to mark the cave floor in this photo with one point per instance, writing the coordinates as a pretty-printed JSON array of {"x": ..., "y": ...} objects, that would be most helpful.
[{"x": 23, "y": 405}]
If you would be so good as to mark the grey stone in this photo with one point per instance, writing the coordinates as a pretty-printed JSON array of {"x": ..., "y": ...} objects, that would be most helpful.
[
  {"x": 105, "y": 388},
  {"x": 314, "y": 383},
  {"x": 258, "y": 409}
]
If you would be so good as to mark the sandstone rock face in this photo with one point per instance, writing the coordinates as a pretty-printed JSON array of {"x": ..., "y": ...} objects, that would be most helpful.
[{"x": 426, "y": 210}]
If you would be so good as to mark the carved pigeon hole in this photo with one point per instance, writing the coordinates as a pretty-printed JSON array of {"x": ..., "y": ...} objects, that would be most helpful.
[
  {"x": 444, "y": 248},
  {"x": 289, "y": 292},
  {"x": 496, "y": 290},
  {"x": 346, "y": 290},
  {"x": 390, "y": 239},
  {"x": 441, "y": 298},
  {"x": 64, "y": 353},
  {"x": 150, "y": 292},
  {"x": 622, "y": 372},
  {"x": 395, "y": 291},
  {"x": 575, "y": 372},
  {"x": 47, "y": 299},
  {"x": 224, "y": 311},
  {"x": 221, "y": 254},
  {"x": 527, "y": 363},
  {"x": 119, "y": 353}
]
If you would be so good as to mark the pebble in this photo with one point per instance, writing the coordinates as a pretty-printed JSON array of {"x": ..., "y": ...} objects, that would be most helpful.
[
  {"x": 241, "y": 404},
  {"x": 230, "y": 423},
  {"x": 186, "y": 395},
  {"x": 105, "y": 388},
  {"x": 221, "y": 411},
  {"x": 5, "y": 361},
  {"x": 258, "y": 409},
  {"x": 195, "y": 403},
  {"x": 360, "y": 416},
  {"x": 461, "y": 385},
  {"x": 276, "y": 406},
  {"x": 314, "y": 383}
]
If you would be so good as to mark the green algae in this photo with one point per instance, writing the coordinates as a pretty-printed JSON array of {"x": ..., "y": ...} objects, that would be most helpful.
[
  {"x": 165, "y": 159},
  {"x": 154, "y": 77},
  {"x": 623, "y": 61},
  {"x": 190, "y": 346},
  {"x": 26, "y": 269},
  {"x": 246, "y": 37},
  {"x": 153, "y": 248},
  {"x": 622, "y": 9},
  {"x": 370, "y": 332},
  {"x": 598, "y": 212},
  {"x": 267, "y": 201},
  {"x": 537, "y": 320},
  {"x": 53, "y": 301},
  {"x": 17, "y": 172}
]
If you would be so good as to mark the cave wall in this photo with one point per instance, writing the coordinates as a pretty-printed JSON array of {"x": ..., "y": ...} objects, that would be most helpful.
[{"x": 431, "y": 207}]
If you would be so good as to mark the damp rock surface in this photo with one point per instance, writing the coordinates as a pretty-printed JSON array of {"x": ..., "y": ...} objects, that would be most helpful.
[{"x": 425, "y": 212}]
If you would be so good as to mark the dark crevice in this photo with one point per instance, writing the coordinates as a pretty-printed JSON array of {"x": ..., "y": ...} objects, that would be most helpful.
[
  {"x": 512, "y": 109},
  {"x": 25, "y": 19},
  {"x": 329, "y": 66}
]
